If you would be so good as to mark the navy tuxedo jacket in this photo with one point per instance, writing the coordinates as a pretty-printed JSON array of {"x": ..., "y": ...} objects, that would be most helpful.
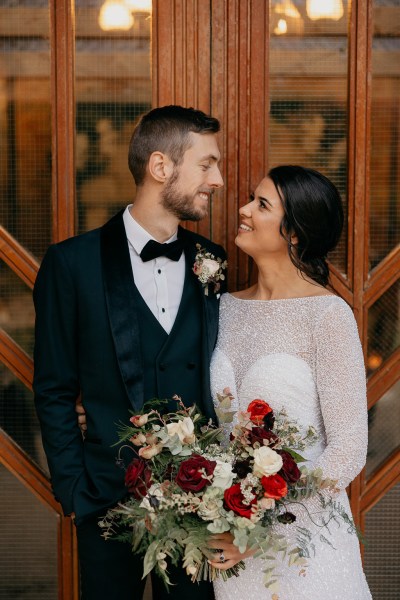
[{"x": 87, "y": 342}]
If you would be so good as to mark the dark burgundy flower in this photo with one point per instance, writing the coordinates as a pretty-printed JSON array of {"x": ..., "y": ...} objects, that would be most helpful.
[
  {"x": 190, "y": 477},
  {"x": 269, "y": 421},
  {"x": 287, "y": 518},
  {"x": 259, "y": 434},
  {"x": 242, "y": 467},
  {"x": 290, "y": 471},
  {"x": 233, "y": 499},
  {"x": 258, "y": 409},
  {"x": 138, "y": 478}
]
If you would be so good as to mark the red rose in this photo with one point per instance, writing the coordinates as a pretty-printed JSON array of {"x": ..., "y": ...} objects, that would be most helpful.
[
  {"x": 234, "y": 501},
  {"x": 259, "y": 434},
  {"x": 290, "y": 471},
  {"x": 258, "y": 409},
  {"x": 189, "y": 476},
  {"x": 138, "y": 478},
  {"x": 274, "y": 487}
]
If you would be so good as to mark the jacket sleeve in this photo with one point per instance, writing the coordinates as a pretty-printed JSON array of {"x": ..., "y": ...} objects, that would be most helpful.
[{"x": 56, "y": 378}]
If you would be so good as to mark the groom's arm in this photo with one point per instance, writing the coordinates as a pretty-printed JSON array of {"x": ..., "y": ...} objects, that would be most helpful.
[{"x": 56, "y": 381}]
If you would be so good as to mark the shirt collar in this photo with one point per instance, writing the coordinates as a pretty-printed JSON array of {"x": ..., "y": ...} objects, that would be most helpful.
[{"x": 137, "y": 235}]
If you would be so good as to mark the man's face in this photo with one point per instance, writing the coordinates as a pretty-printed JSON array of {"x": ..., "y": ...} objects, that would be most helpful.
[{"x": 188, "y": 191}]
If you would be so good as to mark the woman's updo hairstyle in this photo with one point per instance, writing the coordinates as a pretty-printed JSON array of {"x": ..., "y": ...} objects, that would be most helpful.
[{"x": 313, "y": 214}]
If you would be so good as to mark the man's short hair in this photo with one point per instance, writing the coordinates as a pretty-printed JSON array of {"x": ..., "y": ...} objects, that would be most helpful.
[{"x": 166, "y": 129}]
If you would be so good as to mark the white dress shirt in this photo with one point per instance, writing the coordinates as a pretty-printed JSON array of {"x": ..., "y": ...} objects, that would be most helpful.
[{"x": 160, "y": 280}]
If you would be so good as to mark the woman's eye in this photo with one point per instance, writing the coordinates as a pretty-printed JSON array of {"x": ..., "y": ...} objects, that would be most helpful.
[
  {"x": 251, "y": 198},
  {"x": 263, "y": 204}
]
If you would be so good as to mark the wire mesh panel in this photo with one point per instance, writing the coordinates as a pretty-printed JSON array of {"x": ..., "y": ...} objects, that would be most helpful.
[
  {"x": 385, "y": 131},
  {"x": 113, "y": 88},
  {"x": 308, "y": 90},
  {"x": 383, "y": 327},
  {"x": 382, "y": 550},
  {"x": 28, "y": 544},
  {"x": 18, "y": 417},
  {"x": 25, "y": 123},
  {"x": 384, "y": 427}
]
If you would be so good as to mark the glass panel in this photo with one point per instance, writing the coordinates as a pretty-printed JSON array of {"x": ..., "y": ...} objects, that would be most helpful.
[
  {"x": 385, "y": 132},
  {"x": 308, "y": 90},
  {"x": 28, "y": 544},
  {"x": 25, "y": 122},
  {"x": 113, "y": 88},
  {"x": 17, "y": 314},
  {"x": 18, "y": 417},
  {"x": 383, "y": 327},
  {"x": 382, "y": 550},
  {"x": 384, "y": 427}
]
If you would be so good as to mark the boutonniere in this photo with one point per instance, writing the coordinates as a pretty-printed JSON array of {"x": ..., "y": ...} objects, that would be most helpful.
[{"x": 209, "y": 269}]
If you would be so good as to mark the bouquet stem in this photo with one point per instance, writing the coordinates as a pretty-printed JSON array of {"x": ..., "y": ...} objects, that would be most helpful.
[{"x": 206, "y": 572}]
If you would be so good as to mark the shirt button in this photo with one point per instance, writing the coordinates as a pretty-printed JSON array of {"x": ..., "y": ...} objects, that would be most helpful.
[
  {"x": 162, "y": 366},
  {"x": 159, "y": 271},
  {"x": 191, "y": 365},
  {"x": 163, "y": 310}
]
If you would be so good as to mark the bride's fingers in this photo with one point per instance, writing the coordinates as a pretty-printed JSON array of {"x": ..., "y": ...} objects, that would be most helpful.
[{"x": 223, "y": 566}]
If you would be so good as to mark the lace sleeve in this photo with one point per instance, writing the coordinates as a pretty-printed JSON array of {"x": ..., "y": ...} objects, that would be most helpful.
[{"x": 341, "y": 388}]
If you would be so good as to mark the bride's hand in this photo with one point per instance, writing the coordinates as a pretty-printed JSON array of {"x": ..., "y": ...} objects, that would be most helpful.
[{"x": 227, "y": 551}]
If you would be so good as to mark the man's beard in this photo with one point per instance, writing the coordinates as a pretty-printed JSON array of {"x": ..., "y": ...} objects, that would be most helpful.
[{"x": 180, "y": 205}]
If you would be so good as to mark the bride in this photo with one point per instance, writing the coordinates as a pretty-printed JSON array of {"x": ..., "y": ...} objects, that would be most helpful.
[{"x": 290, "y": 341}]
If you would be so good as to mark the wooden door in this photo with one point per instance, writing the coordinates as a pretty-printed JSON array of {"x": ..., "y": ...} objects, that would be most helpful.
[{"x": 287, "y": 88}]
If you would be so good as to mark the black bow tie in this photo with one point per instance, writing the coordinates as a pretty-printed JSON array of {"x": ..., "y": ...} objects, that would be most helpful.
[{"x": 154, "y": 249}]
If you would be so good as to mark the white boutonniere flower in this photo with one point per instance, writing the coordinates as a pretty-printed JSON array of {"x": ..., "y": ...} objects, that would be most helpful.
[{"x": 209, "y": 269}]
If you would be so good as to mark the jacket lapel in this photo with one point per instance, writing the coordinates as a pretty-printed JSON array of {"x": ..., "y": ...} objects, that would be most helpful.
[{"x": 118, "y": 286}]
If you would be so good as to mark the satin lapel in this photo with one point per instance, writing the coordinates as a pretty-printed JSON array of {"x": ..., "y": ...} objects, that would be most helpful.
[{"x": 118, "y": 283}]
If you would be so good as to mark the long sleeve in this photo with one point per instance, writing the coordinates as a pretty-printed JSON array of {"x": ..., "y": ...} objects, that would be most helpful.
[
  {"x": 56, "y": 382},
  {"x": 341, "y": 389}
]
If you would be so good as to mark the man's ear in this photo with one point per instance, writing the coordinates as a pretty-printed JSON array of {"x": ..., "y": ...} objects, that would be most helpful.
[{"x": 160, "y": 166}]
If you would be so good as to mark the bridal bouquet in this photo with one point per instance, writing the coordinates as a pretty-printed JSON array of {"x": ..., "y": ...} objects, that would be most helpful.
[{"x": 185, "y": 484}]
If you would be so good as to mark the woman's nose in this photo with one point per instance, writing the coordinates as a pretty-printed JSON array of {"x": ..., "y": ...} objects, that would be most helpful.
[{"x": 245, "y": 210}]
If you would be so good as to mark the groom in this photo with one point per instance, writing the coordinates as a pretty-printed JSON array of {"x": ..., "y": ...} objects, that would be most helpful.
[{"x": 122, "y": 318}]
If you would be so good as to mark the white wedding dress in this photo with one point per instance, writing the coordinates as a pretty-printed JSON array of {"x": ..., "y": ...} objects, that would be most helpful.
[{"x": 304, "y": 355}]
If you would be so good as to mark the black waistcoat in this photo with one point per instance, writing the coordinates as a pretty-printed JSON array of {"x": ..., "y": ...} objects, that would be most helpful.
[{"x": 172, "y": 362}]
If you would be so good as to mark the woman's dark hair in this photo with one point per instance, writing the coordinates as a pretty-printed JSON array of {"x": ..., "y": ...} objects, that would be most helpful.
[
  {"x": 313, "y": 213},
  {"x": 166, "y": 129}
]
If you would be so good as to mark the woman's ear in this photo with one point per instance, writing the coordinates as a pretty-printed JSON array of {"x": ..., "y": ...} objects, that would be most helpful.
[{"x": 160, "y": 166}]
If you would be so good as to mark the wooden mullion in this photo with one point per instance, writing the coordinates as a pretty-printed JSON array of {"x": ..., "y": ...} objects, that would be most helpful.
[
  {"x": 340, "y": 285},
  {"x": 381, "y": 482},
  {"x": 18, "y": 463},
  {"x": 18, "y": 258},
  {"x": 62, "y": 30},
  {"x": 16, "y": 359},
  {"x": 382, "y": 277},
  {"x": 381, "y": 381}
]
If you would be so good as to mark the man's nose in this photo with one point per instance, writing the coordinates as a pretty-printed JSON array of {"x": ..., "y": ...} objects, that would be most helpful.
[{"x": 215, "y": 179}]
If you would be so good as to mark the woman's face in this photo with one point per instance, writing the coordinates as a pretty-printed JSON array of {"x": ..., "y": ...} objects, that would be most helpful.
[{"x": 260, "y": 220}]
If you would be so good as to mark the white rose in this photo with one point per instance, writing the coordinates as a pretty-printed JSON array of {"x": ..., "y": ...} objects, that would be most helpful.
[
  {"x": 266, "y": 461},
  {"x": 223, "y": 476},
  {"x": 210, "y": 265},
  {"x": 183, "y": 429}
]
